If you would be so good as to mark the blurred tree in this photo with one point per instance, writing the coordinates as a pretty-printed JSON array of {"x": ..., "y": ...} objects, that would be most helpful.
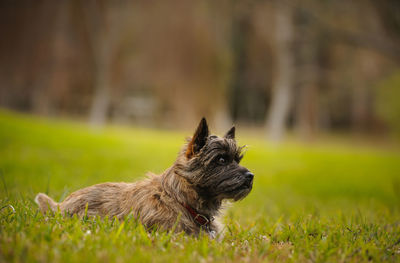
[
  {"x": 388, "y": 89},
  {"x": 307, "y": 39},
  {"x": 388, "y": 104},
  {"x": 284, "y": 72},
  {"x": 252, "y": 55},
  {"x": 103, "y": 23},
  {"x": 25, "y": 68},
  {"x": 241, "y": 27}
]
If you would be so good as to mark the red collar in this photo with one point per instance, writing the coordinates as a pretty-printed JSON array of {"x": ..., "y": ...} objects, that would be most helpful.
[{"x": 202, "y": 220}]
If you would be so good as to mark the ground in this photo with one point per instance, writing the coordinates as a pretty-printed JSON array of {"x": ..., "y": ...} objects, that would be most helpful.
[{"x": 312, "y": 202}]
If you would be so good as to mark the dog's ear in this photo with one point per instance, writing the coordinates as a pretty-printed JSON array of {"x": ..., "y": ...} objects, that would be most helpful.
[
  {"x": 231, "y": 133},
  {"x": 198, "y": 140}
]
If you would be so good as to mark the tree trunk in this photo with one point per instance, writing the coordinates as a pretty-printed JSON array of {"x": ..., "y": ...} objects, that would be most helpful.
[
  {"x": 306, "y": 115},
  {"x": 43, "y": 99},
  {"x": 283, "y": 82},
  {"x": 101, "y": 97},
  {"x": 100, "y": 39}
]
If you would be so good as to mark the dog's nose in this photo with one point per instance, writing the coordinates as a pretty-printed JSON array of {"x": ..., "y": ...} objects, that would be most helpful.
[{"x": 249, "y": 175}]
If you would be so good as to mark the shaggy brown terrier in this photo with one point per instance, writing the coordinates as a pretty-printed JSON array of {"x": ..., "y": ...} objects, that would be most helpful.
[{"x": 188, "y": 195}]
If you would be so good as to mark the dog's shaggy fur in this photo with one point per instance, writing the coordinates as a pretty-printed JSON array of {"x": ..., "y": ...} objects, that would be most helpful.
[{"x": 206, "y": 172}]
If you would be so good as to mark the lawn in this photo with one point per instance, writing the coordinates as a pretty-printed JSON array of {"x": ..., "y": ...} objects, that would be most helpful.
[{"x": 320, "y": 202}]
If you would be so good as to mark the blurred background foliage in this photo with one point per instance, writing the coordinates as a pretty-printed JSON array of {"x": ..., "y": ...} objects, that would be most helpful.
[
  {"x": 388, "y": 101},
  {"x": 306, "y": 66}
]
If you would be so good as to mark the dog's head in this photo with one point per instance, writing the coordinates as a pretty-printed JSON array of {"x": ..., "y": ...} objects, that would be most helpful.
[{"x": 211, "y": 165}]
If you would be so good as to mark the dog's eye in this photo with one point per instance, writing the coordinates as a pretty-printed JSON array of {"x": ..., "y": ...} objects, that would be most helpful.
[{"x": 221, "y": 160}]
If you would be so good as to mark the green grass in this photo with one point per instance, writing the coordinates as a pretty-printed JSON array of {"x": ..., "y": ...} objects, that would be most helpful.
[{"x": 323, "y": 202}]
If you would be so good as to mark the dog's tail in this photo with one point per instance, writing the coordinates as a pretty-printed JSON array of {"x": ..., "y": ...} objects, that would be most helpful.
[{"x": 45, "y": 203}]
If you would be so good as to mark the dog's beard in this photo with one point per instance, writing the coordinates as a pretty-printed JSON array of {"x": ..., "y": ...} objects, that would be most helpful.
[{"x": 240, "y": 191}]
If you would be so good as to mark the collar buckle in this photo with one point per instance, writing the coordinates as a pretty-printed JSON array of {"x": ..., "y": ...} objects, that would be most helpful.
[{"x": 201, "y": 219}]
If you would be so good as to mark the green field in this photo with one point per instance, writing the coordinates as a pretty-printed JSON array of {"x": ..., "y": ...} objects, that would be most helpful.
[{"x": 324, "y": 202}]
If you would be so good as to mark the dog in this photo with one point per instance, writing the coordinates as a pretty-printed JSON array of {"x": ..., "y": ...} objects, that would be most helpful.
[{"x": 186, "y": 197}]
